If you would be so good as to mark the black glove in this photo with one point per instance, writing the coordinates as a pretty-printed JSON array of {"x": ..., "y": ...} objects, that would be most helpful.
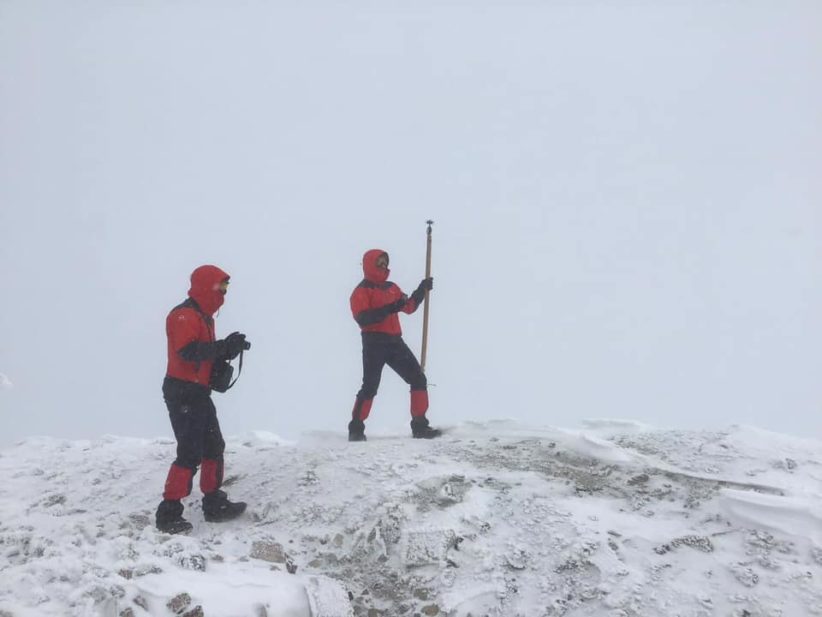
[
  {"x": 426, "y": 284},
  {"x": 397, "y": 306},
  {"x": 419, "y": 293},
  {"x": 234, "y": 344}
]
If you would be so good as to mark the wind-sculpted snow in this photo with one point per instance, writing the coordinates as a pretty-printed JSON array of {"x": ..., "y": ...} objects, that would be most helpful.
[{"x": 493, "y": 519}]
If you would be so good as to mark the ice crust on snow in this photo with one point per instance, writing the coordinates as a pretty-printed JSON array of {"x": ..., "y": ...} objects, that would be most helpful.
[{"x": 493, "y": 519}]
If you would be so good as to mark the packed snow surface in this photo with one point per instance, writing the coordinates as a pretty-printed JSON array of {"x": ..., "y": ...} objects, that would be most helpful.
[{"x": 616, "y": 519}]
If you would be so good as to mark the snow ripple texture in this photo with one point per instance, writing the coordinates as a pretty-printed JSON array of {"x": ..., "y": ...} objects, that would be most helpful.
[{"x": 493, "y": 519}]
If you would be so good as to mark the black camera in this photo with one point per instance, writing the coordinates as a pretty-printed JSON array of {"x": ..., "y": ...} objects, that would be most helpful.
[{"x": 246, "y": 345}]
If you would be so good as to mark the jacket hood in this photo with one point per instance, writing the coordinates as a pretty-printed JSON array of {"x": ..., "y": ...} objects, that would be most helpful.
[
  {"x": 205, "y": 288},
  {"x": 370, "y": 269}
]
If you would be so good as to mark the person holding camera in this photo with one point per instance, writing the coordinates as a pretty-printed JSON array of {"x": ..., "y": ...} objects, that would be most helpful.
[
  {"x": 375, "y": 304},
  {"x": 193, "y": 354}
]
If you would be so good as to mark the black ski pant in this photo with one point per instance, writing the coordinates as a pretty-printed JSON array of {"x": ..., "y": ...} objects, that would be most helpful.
[
  {"x": 199, "y": 439},
  {"x": 379, "y": 349}
]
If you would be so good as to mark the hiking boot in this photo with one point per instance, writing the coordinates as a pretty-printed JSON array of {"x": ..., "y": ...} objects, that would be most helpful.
[
  {"x": 217, "y": 508},
  {"x": 169, "y": 517},
  {"x": 421, "y": 430},
  {"x": 356, "y": 430}
]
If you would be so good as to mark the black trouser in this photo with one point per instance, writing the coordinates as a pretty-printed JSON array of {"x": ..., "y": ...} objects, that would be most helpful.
[
  {"x": 379, "y": 349},
  {"x": 199, "y": 439},
  {"x": 194, "y": 420}
]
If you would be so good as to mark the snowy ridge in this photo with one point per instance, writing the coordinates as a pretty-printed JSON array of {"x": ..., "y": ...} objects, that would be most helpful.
[{"x": 495, "y": 518}]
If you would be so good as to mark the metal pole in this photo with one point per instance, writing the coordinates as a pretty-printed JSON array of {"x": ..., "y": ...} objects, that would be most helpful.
[{"x": 427, "y": 299}]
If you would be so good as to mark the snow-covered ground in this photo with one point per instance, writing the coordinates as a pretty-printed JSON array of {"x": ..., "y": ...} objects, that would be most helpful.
[{"x": 492, "y": 519}]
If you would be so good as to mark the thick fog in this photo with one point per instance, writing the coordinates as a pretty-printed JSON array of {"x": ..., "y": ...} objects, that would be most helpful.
[{"x": 626, "y": 196}]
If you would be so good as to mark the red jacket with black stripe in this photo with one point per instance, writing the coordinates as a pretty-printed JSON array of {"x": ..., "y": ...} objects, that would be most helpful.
[
  {"x": 372, "y": 299},
  {"x": 190, "y": 328}
]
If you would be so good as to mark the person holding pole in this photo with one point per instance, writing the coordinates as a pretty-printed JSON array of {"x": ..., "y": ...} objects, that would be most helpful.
[{"x": 375, "y": 304}]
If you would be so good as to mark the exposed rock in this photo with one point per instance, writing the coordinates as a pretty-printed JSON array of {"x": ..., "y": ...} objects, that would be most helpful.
[
  {"x": 700, "y": 543},
  {"x": 195, "y": 562},
  {"x": 179, "y": 603},
  {"x": 390, "y": 524},
  {"x": 421, "y": 594},
  {"x": 53, "y": 500},
  {"x": 428, "y": 547},
  {"x": 516, "y": 558},
  {"x": 267, "y": 550},
  {"x": 145, "y": 569}
]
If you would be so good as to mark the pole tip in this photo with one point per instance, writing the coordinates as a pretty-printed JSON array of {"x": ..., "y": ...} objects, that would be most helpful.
[{"x": 429, "y": 222}]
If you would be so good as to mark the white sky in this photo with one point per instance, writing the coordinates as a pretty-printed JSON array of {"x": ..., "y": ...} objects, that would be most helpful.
[{"x": 626, "y": 194}]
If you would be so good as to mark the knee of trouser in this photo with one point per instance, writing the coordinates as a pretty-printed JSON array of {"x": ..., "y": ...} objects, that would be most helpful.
[
  {"x": 419, "y": 382},
  {"x": 368, "y": 390},
  {"x": 214, "y": 449},
  {"x": 190, "y": 450},
  {"x": 189, "y": 459}
]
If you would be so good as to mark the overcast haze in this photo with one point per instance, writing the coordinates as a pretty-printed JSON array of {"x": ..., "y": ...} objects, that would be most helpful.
[{"x": 626, "y": 195}]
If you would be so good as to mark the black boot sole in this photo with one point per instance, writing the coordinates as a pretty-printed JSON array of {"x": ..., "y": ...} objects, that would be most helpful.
[
  {"x": 222, "y": 517},
  {"x": 177, "y": 527},
  {"x": 428, "y": 435}
]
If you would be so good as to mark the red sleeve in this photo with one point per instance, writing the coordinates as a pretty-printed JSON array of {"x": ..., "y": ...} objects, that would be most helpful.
[
  {"x": 409, "y": 306},
  {"x": 182, "y": 328}
]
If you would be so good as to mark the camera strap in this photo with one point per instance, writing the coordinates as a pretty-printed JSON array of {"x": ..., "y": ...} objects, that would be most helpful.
[
  {"x": 209, "y": 323},
  {"x": 239, "y": 371}
]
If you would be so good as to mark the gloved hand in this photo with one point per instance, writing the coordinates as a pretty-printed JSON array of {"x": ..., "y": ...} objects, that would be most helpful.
[
  {"x": 234, "y": 344},
  {"x": 397, "y": 306},
  {"x": 419, "y": 293},
  {"x": 426, "y": 284}
]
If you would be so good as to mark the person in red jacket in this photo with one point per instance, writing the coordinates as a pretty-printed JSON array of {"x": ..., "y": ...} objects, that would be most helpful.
[
  {"x": 375, "y": 304},
  {"x": 192, "y": 351}
]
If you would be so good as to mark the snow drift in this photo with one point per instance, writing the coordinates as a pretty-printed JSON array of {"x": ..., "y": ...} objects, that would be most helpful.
[{"x": 495, "y": 519}]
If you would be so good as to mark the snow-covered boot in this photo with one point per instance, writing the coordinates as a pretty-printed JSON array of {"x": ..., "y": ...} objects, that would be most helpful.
[
  {"x": 356, "y": 430},
  {"x": 421, "y": 430},
  {"x": 217, "y": 508},
  {"x": 169, "y": 517}
]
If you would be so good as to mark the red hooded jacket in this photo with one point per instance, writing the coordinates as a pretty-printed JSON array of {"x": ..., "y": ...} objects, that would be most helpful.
[
  {"x": 371, "y": 298},
  {"x": 185, "y": 324}
]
